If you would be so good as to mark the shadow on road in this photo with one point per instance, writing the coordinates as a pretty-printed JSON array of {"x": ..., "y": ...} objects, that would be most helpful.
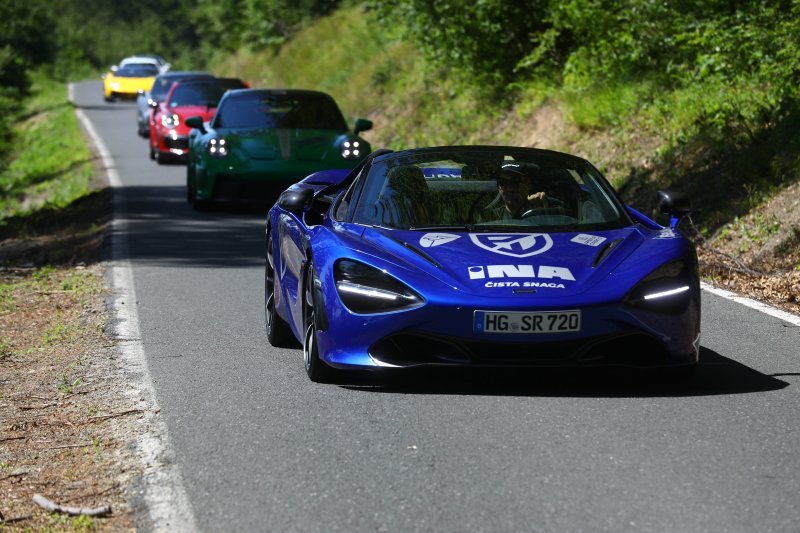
[
  {"x": 716, "y": 375},
  {"x": 163, "y": 229}
]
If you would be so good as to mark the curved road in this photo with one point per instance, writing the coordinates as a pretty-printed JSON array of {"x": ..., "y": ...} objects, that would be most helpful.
[{"x": 262, "y": 448}]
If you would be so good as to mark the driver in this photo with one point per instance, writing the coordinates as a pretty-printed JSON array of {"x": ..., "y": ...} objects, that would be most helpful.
[{"x": 518, "y": 192}]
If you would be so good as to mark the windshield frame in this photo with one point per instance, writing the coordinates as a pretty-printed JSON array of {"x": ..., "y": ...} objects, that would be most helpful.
[
  {"x": 338, "y": 124},
  {"x": 564, "y": 162},
  {"x": 223, "y": 84},
  {"x": 147, "y": 71}
]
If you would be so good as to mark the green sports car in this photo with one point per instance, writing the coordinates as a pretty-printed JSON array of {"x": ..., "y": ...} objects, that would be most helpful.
[{"x": 260, "y": 141}]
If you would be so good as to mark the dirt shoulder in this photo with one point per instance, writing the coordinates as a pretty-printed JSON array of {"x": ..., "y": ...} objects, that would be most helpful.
[{"x": 69, "y": 419}]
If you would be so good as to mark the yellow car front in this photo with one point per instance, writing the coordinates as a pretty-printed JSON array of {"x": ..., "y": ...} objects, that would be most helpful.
[{"x": 127, "y": 81}]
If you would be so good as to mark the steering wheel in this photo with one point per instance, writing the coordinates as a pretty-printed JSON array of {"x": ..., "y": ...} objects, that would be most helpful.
[{"x": 552, "y": 206}]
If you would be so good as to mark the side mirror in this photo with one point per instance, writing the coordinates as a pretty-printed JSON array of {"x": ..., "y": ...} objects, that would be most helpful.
[
  {"x": 295, "y": 198},
  {"x": 196, "y": 123},
  {"x": 676, "y": 204},
  {"x": 362, "y": 124}
]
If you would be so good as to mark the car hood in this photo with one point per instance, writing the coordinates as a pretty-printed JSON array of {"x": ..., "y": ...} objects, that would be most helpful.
[
  {"x": 554, "y": 264},
  {"x": 287, "y": 144}
]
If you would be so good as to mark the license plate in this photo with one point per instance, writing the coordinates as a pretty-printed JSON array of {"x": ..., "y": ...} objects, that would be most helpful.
[{"x": 527, "y": 322}]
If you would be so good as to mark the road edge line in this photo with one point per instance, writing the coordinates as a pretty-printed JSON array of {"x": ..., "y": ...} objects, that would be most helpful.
[
  {"x": 165, "y": 497},
  {"x": 767, "y": 309}
]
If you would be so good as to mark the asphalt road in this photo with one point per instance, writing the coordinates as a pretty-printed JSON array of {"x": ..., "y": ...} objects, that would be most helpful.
[{"x": 262, "y": 448}]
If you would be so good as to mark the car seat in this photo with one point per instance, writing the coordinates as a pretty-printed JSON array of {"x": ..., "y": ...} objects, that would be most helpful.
[{"x": 404, "y": 197}]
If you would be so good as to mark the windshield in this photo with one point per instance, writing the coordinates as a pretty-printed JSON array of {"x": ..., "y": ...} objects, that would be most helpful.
[
  {"x": 513, "y": 188},
  {"x": 163, "y": 83},
  {"x": 280, "y": 110},
  {"x": 136, "y": 71},
  {"x": 204, "y": 94}
]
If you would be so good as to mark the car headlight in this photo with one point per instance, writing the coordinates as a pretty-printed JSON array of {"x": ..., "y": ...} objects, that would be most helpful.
[
  {"x": 170, "y": 120},
  {"x": 367, "y": 290},
  {"x": 217, "y": 147},
  {"x": 665, "y": 289},
  {"x": 351, "y": 149}
]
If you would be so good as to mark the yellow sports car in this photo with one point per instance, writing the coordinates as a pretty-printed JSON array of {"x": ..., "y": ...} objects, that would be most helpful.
[{"x": 126, "y": 81}]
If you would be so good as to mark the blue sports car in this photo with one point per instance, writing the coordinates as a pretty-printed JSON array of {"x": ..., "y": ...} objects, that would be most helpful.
[{"x": 477, "y": 256}]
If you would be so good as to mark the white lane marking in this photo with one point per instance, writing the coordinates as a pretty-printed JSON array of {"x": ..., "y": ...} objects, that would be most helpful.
[
  {"x": 753, "y": 304},
  {"x": 168, "y": 505}
]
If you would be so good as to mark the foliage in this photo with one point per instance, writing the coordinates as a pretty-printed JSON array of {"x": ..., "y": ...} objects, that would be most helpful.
[
  {"x": 24, "y": 43},
  {"x": 94, "y": 34},
  {"x": 52, "y": 165},
  {"x": 484, "y": 39},
  {"x": 597, "y": 48},
  {"x": 231, "y": 24}
]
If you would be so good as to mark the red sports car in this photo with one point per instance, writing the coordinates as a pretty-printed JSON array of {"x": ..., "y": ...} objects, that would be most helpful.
[{"x": 169, "y": 135}]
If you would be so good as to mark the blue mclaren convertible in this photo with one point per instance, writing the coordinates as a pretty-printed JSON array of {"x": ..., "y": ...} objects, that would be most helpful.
[{"x": 478, "y": 256}]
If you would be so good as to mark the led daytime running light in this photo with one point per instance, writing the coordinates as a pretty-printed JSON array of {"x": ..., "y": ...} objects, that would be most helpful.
[
  {"x": 170, "y": 121},
  {"x": 371, "y": 292},
  {"x": 351, "y": 149},
  {"x": 218, "y": 147},
  {"x": 665, "y": 294}
]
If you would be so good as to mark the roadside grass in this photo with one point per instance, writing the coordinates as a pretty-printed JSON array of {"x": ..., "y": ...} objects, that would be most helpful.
[{"x": 51, "y": 166}]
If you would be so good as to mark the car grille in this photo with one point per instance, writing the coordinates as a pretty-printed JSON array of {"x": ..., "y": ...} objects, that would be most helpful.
[
  {"x": 181, "y": 143},
  {"x": 623, "y": 349},
  {"x": 230, "y": 187}
]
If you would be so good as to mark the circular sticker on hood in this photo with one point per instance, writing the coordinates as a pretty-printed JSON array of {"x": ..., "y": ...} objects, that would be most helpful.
[{"x": 513, "y": 244}]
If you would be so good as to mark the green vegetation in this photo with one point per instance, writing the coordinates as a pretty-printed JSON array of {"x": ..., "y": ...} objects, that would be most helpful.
[
  {"x": 21, "y": 48},
  {"x": 51, "y": 165}
]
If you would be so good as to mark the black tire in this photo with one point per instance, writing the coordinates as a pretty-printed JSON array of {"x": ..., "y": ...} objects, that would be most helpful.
[
  {"x": 201, "y": 205},
  {"x": 152, "y": 151},
  {"x": 316, "y": 368},
  {"x": 278, "y": 332},
  {"x": 190, "y": 193}
]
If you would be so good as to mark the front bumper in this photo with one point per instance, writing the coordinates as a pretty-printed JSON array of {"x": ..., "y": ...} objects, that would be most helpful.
[
  {"x": 122, "y": 95},
  {"x": 440, "y": 335},
  {"x": 257, "y": 182},
  {"x": 172, "y": 144}
]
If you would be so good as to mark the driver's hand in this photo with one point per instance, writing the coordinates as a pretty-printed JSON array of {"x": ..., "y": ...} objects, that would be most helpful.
[{"x": 537, "y": 196}]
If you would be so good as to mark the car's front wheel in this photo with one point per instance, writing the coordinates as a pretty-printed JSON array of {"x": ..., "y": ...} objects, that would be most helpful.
[
  {"x": 316, "y": 368},
  {"x": 190, "y": 192},
  {"x": 278, "y": 332}
]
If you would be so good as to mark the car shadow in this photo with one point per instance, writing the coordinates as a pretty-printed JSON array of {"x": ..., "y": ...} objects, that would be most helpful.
[
  {"x": 117, "y": 106},
  {"x": 716, "y": 375}
]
